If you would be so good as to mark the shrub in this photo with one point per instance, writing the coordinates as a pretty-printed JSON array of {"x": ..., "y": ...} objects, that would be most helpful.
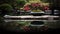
[{"x": 6, "y": 8}]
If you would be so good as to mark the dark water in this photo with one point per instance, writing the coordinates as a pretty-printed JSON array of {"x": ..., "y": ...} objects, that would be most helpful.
[
  {"x": 49, "y": 30},
  {"x": 37, "y": 22}
]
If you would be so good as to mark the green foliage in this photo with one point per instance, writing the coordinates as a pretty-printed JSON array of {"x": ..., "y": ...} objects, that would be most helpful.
[
  {"x": 7, "y": 1},
  {"x": 20, "y": 3},
  {"x": 6, "y": 7},
  {"x": 24, "y": 23},
  {"x": 45, "y": 1}
]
